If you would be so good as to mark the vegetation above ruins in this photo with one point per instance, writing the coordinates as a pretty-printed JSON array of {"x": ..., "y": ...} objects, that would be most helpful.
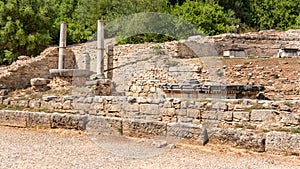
[{"x": 28, "y": 26}]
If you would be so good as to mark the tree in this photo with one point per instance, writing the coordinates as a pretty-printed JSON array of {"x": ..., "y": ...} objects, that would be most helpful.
[
  {"x": 275, "y": 14},
  {"x": 210, "y": 18},
  {"x": 25, "y": 28}
]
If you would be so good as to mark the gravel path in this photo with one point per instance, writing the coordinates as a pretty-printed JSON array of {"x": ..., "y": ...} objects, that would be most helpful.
[{"x": 31, "y": 148}]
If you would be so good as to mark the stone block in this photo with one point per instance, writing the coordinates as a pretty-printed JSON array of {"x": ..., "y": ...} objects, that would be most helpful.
[
  {"x": 240, "y": 139},
  {"x": 241, "y": 116},
  {"x": 67, "y": 105},
  {"x": 68, "y": 121},
  {"x": 23, "y": 103},
  {"x": 104, "y": 125},
  {"x": 35, "y": 104},
  {"x": 185, "y": 120},
  {"x": 290, "y": 119},
  {"x": 220, "y": 106},
  {"x": 13, "y": 118},
  {"x": 227, "y": 116},
  {"x": 261, "y": 115},
  {"x": 40, "y": 120},
  {"x": 142, "y": 128},
  {"x": 193, "y": 113},
  {"x": 211, "y": 115},
  {"x": 283, "y": 143},
  {"x": 181, "y": 112},
  {"x": 168, "y": 112},
  {"x": 131, "y": 107},
  {"x": 184, "y": 130},
  {"x": 151, "y": 109}
]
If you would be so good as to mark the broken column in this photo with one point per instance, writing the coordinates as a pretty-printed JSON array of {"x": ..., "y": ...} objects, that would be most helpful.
[
  {"x": 63, "y": 76},
  {"x": 110, "y": 55},
  {"x": 100, "y": 49},
  {"x": 100, "y": 86},
  {"x": 62, "y": 44}
]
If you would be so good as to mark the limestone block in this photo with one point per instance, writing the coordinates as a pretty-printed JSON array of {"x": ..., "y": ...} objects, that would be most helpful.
[
  {"x": 290, "y": 119},
  {"x": 200, "y": 105},
  {"x": 211, "y": 115},
  {"x": 220, "y": 106},
  {"x": 39, "y": 81},
  {"x": 181, "y": 112},
  {"x": 262, "y": 115},
  {"x": 168, "y": 112},
  {"x": 227, "y": 116},
  {"x": 185, "y": 120},
  {"x": 23, "y": 103},
  {"x": 193, "y": 113},
  {"x": 241, "y": 116},
  {"x": 131, "y": 107},
  {"x": 67, "y": 105},
  {"x": 283, "y": 143},
  {"x": 240, "y": 139},
  {"x": 41, "y": 120},
  {"x": 184, "y": 130},
  {"x": 104, "y": 125},
  {"x": 13, "y": 118},
  {"x": 151, "y": 109},
  {"x": 68, "y": 121},
  {"x": 142, "y": 128}
]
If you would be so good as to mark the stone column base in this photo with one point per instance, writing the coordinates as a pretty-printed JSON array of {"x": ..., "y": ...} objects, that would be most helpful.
[{"x": 99, "y": 87}]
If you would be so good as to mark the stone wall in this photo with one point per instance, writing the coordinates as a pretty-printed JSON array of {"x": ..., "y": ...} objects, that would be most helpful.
[
  {"x": 18, "y": 74},
  {"x": 247, "y": 114},
  {"x": 274, "y": 142},
  {"x": 262, "y": 44}
]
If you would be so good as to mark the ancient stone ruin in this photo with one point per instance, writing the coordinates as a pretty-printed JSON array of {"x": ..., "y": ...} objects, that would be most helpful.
[{"x": 248, "y": 99}]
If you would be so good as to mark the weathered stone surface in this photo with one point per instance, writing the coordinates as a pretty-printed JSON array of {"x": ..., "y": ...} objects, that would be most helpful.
[
  {"x": 220, "y": 106},
  {"x": 290, "y": 119},
  {"x": 262, "y": 115},
  {"x": 227, "y": 116},
  {"x": 159, "y": 144},
  {"x": 68, "y": 121},
  {"x": 240, "y": 139},
  {"x": 184, "y": 130},
  {"x": 131, "y": 107},
  {"x": 40, "y": 120},
  {"x": 203, "y": 139},
  {"x": 143, "y": 128},
  {"x": 104, "y": 126},
  {"x": 241, "y": 116},
  {"x": 151, "y": 109},
  {"x": 168, "y": 112},
  {"x": 193, "y": 113},
  {"x": 13, "y": 118},
  {"x": 283, "y": 143},
  {"x": 39, "y": 81}
]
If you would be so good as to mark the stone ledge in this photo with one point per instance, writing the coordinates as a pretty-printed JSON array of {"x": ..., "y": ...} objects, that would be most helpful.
[{"x": 273, "y": 142}]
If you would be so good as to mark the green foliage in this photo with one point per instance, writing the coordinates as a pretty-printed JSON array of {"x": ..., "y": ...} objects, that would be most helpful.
[
  {"x": 25, "y": 28},
  {"x": 210, "y": 18},
  {"x": 275, "y": 14},
  {"x": 28, "y": 26}
]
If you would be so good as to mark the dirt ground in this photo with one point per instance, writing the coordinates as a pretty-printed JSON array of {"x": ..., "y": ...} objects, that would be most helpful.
[{"x": 39, "y": 148}]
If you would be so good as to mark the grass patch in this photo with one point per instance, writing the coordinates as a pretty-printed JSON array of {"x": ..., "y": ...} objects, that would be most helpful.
[
  {"x": 288, "y": 103},
  {"x": 236, "y": 126},
  {"x": 3, "y": 106},
  {"x": 256, "y": 106},
  {"x": 295, "y": 130}
]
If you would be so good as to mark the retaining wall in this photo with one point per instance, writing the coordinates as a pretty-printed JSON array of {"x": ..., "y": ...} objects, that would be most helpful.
[{"x": 274, "y": 142}]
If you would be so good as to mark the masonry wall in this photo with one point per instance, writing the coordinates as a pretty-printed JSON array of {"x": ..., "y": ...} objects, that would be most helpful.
[
  {"x": 228, "y": 122},
  {"x": 18, "y": 74}
]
